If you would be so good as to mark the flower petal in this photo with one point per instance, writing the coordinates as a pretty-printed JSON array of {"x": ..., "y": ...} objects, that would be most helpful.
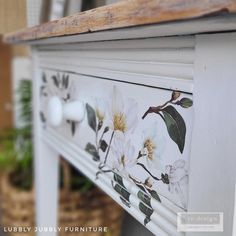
[
  {"x": 117, "y": 101},
  {"x": 177, "y": 175},
  {"x": 131, "y": 111},
  {"x": 179, "y": 164}
]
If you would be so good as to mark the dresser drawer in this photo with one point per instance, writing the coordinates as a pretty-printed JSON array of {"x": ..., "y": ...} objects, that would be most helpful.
[{"x": 140, "y": 132}]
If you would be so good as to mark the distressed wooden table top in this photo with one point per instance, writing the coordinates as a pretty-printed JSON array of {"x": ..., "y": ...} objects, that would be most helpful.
[{"x": 124, "y": 14}]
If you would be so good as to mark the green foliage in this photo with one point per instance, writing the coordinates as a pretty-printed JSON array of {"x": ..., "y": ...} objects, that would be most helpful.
[
  {"x": 175, "y": 126},
  {"x": 91, "y": 117},
  {"x": 24, "y": 92},
  {"x": 16, "y": 148}
]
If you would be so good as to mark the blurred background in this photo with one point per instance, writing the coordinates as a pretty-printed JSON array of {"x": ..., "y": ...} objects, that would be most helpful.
[{"x": 16, "y": 148}]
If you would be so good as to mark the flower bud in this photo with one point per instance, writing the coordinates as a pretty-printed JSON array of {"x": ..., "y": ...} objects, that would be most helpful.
[
  {"x": 175, "y": 95},
  {"x": 148, "y": 182}
]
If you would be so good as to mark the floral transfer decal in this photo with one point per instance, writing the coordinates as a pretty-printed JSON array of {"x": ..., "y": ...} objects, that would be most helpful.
[
  {"x": 174, "y": 121},
  {"x": 58, "y": 85},
  {"x": 113, "y": 146},
  {"x": 128, "y": 142}
]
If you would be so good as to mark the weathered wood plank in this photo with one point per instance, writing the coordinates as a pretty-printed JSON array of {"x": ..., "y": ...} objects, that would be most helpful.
[{"x": 124, "y": 14}]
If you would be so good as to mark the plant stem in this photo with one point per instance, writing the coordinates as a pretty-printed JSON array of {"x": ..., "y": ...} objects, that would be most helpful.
[
  {"x": 96, "y": 139},
  {"x": 102, "y": 135},
  {"x": 102, "y": 171},
  {"x": 156, "y": 109},
  {"x": 144, "y": 167},
  {"x": 109, "y": 147}
]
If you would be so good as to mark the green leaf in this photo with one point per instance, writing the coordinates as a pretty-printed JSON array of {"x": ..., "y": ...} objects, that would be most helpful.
[
  {"x": 175, "y": 126},
  {"x": 155, "y": 195},
  {"x": 123, "y": 192},
  {"x": 185, "y": 102},
  {"x": 55, "y": 81},
  {"x": 103, "y": 145},
  {"x": 42, "y": 117},
  {"x": 146, "y": 220},
  {"x": 125, "y": 202},
  {"x": 100, "y": 124},
  {"x": 146, "y": 210},
  {"x": 73, "y": 127},
  {"x": 65, "y": 81},
  {"x": 165, "y": 178},
  {"x": 106, "y": 129},
  {"x": 119, "y": 179},
  {"x": 140, "y": 186},
  {"x": 91, "y": 149},
  {"x": 91, "y": 117},
  {"x": 44, "y": 78},
  {"x": 144, "y": 197}
]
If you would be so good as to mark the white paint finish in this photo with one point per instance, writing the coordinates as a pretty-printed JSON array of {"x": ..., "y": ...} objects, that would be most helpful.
[
  {"x": 212, "y": 165},
  {"x": 163, "y": 62},
  {"x": 234, "y": 217},
  {"x": 139, "y": 44},
  {"x": 81, "y": 160},
  {"x": 46, "y": 163},
  {"x": 213, "y": 162},
  {"x": 203, "y": 25}
]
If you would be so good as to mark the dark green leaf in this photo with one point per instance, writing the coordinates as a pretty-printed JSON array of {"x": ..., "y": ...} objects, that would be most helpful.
[
  {"x": 141, "y": 187},
  {"x": 42, "y": 117},
  {"x": 146, "y": 220},
  {"x": 73, "y": 127},
  {"x": 144, "y": 197},
  {"x": 103, "y": 145},
  {"x": 146, "y": 210},
  {"x": 65, "y": 81},
  {"x": 100, "y": 124},
  {"x": 55, "y": 80},
  {"x": 106, "y": 129},
  {"x": 91, "y": 117},
  {"x": 44, "y": 78},
  {"x": 185, "y": 102},
  {"x": 123, "y": 192},
  {"x": 165, "y": 178},
  {"x": 119, "y": 179},
  {"x": 155, "y": 195},
  {"x": 175, "y": 126},
  {"x": 125, "y": 202},
  {"x": 91, "y": 149}
]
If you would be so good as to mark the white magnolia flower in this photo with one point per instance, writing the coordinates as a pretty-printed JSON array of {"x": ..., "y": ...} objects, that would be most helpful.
[
  {"x": 123, "y": 152},
  {"x": 153, "y": 145},
  {"x": 123, "y": 113},
  {"x": 178, "y": 178}
]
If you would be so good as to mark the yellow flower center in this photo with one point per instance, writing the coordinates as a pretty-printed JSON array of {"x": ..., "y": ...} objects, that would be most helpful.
[
  {"x": 123, "y": 160},
  {"x": 150, "y": 146},
  {"x": 119, "y": 122},
  {"x": 100, "y": 115}
]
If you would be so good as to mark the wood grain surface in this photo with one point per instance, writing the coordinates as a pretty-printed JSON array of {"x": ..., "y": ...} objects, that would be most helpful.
[{"x": 124, "y": 14}]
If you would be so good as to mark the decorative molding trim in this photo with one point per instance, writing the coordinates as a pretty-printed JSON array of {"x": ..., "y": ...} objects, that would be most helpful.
[
  {"x": 164, "y": 62},
  {"x": 163, "y": 220}
]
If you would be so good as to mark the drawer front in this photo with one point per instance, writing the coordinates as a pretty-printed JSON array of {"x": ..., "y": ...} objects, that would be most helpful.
[{"x": 141, "y": 133}]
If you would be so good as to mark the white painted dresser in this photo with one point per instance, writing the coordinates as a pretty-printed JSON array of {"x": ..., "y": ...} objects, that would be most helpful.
[{"x": 140, "y": 96}]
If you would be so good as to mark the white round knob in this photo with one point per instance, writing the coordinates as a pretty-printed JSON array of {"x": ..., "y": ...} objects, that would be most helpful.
[{"x": 57, "y": 111}]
